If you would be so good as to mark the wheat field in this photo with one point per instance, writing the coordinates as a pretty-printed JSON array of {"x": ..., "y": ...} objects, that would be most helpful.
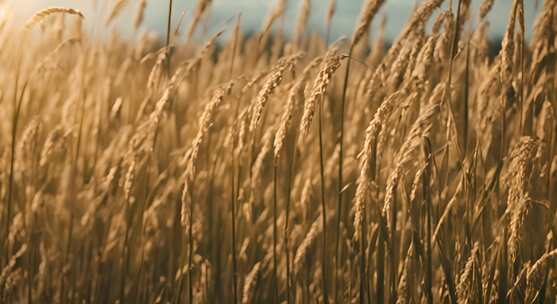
[{"x": 275, "y": 168}]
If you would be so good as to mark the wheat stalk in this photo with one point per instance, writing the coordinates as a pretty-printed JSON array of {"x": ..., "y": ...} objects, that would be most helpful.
[
  {"x": 330, "y": 64},
  {"x": 41, "y": 15},
  {"x": 140, "y": 14},
  {"x": 116, "y": 10}
]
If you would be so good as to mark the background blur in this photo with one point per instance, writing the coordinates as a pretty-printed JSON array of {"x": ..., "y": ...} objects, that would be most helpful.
[{"x": 254, "y": 13}]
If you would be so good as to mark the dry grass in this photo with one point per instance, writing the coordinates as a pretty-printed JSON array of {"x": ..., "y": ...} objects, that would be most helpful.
[{"x": 266, "y": 169}]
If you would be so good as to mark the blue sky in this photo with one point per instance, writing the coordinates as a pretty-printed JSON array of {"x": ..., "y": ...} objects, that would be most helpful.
[{"x": 254, "y": 12}]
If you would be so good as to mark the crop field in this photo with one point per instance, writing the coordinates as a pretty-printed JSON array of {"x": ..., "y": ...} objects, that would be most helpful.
[{"x": 271, "y": 167}]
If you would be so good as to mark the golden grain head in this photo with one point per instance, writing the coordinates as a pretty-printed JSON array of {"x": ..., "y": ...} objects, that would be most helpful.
[{"x": 41, "y": 15}]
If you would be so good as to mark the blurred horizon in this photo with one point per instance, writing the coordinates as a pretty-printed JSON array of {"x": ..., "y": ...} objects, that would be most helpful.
[{"x": 221, "y": 13}]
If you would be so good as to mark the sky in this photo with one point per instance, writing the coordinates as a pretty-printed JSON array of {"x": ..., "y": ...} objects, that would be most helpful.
[{"x": 254, "y": 12}]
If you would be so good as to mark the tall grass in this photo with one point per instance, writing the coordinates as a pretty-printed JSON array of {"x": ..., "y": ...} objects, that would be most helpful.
[{"x": 272, "y": 169}]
